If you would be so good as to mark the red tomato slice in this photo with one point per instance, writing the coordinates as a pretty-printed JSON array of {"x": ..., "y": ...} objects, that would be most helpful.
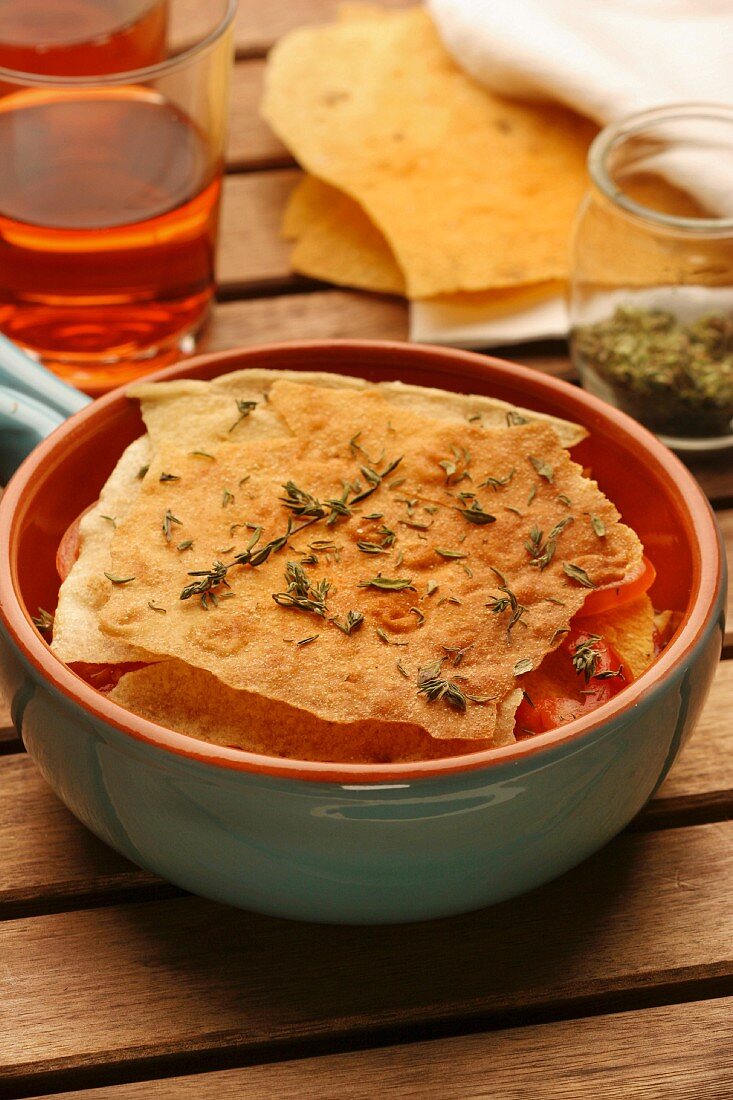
[
  {"x": 105, "y": 677},
  {"x": 68, "y": 548},
  {"x": 608, "y": 675},
  {"x": 612, "y": 596}
]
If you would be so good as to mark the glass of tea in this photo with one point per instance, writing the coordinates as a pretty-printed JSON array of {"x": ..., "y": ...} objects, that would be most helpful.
[{"x": 112, "y": 128}]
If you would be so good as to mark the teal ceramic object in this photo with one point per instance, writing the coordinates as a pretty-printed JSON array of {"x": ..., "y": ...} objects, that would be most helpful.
[
  {"x": 32, "y": 403},
  {"x": 360, "y": 844}
]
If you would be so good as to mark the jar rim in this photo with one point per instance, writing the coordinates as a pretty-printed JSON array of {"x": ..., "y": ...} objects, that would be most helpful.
[{"x": 613, "y": 135}]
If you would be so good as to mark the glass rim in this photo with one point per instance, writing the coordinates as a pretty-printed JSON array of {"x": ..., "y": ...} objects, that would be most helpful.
[
  {"x": 129, "y": 76},
  {"x": 613, "y": 135}
]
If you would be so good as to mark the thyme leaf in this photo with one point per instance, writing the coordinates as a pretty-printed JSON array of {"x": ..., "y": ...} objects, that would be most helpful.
[
  {"x": 476, "y": 514},
  {"x": 544, "y": 469},
  {"x": 389, "y": 584},
  {"x": 578, "y": 574},
  {"x": 168, "y": 520}
]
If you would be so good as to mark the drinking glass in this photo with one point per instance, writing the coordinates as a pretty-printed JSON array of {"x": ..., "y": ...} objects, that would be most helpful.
[
  {"x": 81, "y": 37},
  {"x": 110, "y": 179}
]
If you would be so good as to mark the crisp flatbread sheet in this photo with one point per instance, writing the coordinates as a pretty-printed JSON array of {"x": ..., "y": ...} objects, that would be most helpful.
[
  {"x": 250, "y": 642},
  {"x": 76, "y": 635},
  {"x": 192, "y": 701},
  {"x": 189, "y": 700},
  {"x": 470, "y": 190},
  {"x": 204, "y": 414}
]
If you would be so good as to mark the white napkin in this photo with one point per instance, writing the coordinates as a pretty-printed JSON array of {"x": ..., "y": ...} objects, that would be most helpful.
[{"x": 603, "y": 58}]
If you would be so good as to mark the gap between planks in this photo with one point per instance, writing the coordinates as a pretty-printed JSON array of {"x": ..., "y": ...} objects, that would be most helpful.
[
  {"x": 670, "y": 1052},
  {"x": 648, "y": 918}
]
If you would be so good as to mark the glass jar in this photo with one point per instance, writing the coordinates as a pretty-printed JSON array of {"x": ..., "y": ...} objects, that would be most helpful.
[{"x": 651, "y": 293}]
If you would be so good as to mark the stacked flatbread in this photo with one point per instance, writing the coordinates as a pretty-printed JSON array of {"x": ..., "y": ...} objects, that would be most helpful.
[
  {"x": 316, "y": 567},
  {"x": 420, "y": 181}
]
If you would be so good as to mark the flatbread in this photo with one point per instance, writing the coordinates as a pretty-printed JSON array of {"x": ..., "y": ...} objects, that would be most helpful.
[
  {"x": 204, "y": 414},
  {"x": 76, "y": 635},
  {"x": 336, "y": 241},
  {"x": 470, "y": 190},
  {"x": 195, "y": 702},
  {"x": 249, "y": 642}
]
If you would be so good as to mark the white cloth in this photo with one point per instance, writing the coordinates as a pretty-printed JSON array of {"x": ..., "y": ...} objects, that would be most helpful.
[{"x": 603, "y": 58}]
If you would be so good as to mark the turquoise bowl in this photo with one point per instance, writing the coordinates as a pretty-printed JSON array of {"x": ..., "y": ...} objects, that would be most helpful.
[{"x": 361, "y": 844}]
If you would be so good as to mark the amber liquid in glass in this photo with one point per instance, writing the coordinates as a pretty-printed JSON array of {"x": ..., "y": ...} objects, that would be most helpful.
[
  {"x": 81, "y": 37},
  {"x": 108, "y": 211}
]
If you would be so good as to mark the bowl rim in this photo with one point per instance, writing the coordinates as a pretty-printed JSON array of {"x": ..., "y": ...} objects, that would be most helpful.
[{"x": 705, "y": 583}]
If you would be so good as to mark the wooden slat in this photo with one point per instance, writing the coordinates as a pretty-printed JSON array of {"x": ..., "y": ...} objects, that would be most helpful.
[
  {"x": 252, "y": 143},
  {"x": 325, "y": 315},
  {"x": 260, "y": 23},
  {"x": 252, "y": 254},
  {"x": 123, "y": 985},
  {"x": 674, "y": 1052},
  {"x": 71, "y": 867},
  {"x": 47, "y": 854}
]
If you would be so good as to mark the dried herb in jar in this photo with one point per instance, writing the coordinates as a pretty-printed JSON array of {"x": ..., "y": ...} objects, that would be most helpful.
[{"x": 676, "y": 377}]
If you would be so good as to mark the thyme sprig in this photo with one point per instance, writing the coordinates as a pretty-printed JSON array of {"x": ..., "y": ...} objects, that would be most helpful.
[
  {"x": 302, "y": 594},
  {"x": 543, "y": 553},
  {"x": 206, "y": 587},
  {"x": 508, "y": 602},
  {"x": 434, "y": 686},
  {"x": 543, "y": 468},
  {"x": 244, "y": 408},
  {"x": 456, "y": 469},
  {"x": 586, "y": 657},
  {"x": 353, "y": 620},
  {"x": 43, "y": 621},
  {"x": 497, "y": 483}
]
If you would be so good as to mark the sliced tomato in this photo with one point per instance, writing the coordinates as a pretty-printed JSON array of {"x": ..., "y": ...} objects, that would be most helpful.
[
  {"x": 68, "y": 548},
  {"x": 612, "y": 596},
  {"x": 105, "y": 677},
  {"x": 608, "y": 675}
]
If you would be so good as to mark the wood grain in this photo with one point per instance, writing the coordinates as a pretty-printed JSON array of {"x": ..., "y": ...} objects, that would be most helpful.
[
  {"x": 260, "y": 23},
  {"x": 252, "y": 254},
  {"x": 675, "y": 1052},
  {"x": 318, "y": 316},
  {"x": 252, "y": 143},
  {"x": 129, "y": 983},
  {"x": 71, "y": 867}
]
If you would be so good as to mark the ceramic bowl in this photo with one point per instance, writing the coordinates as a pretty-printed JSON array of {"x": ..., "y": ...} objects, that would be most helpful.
[{"x": 361, "y": 844}]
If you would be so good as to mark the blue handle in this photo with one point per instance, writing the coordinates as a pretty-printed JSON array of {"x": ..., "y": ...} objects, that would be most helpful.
[{"x": 32, "y": 403}]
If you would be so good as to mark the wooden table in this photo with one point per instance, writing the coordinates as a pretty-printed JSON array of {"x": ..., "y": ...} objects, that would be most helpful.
[{"x": 614, "y": 981}]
